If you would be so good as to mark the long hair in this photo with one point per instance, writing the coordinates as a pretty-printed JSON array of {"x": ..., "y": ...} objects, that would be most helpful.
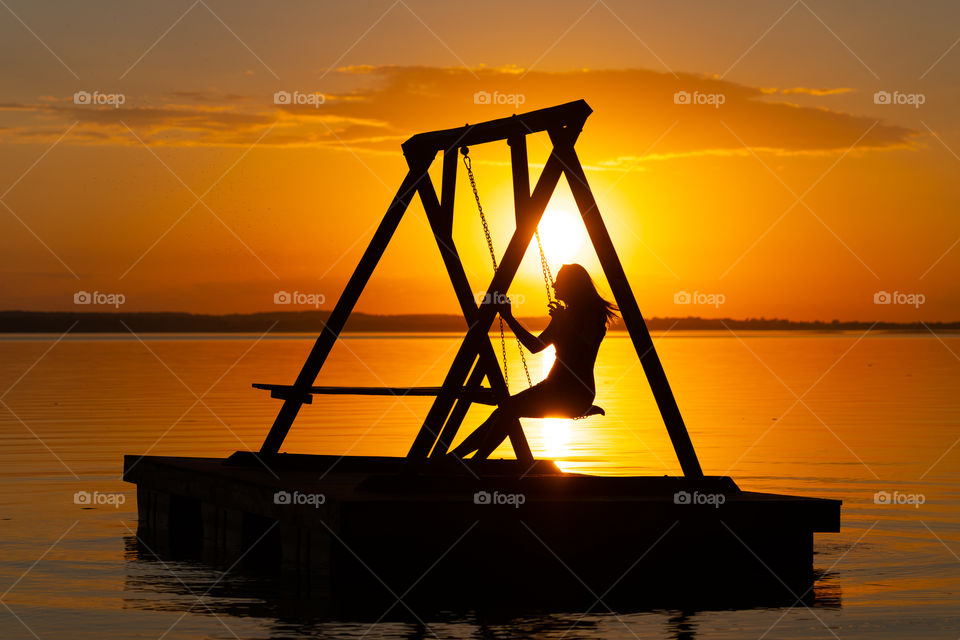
[{"x": 585, "y": 292}]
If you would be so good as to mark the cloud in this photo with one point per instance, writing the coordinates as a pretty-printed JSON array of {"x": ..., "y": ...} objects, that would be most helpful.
[
  {"x": 814, "y": 92},
  {"x": 210, "y": 96},
  {"x": 638, "y": 114},
  {"x": 633, "y": 109},
  {"x": 208, "y": 123}
]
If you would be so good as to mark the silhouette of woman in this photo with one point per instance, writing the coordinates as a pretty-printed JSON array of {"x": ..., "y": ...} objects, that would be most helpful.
[{"x": 576, "y": 329}]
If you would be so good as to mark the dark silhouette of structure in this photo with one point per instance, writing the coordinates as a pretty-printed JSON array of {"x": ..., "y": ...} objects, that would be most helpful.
[{"x": 476, "y": 358}]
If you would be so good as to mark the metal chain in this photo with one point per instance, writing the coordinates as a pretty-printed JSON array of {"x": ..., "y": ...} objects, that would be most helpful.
[
  {"x": 493, "y": 258},
  {"x": 547, "y": 276}
]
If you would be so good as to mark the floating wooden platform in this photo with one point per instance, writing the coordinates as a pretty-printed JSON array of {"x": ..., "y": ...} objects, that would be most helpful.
[{"x": 351, "y": 523}]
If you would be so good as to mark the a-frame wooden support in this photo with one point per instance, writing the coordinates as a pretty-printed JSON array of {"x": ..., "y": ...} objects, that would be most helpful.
[{"x": 476, "y": 358}]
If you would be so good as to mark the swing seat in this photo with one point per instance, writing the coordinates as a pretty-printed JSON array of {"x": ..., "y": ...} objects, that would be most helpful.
[{"x": 594, "y": 410}]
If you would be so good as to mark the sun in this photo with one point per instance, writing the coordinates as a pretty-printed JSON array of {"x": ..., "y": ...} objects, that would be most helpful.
[{"x": 562, "y": 234}]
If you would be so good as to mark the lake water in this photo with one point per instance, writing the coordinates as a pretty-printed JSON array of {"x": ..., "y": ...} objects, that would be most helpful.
[{"x": 831, "y": 415}]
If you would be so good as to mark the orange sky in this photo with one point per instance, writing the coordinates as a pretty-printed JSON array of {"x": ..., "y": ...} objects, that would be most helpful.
[{"x": 799, "y": 196}]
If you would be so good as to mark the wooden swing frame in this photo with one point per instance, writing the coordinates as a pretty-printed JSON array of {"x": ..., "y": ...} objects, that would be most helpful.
[{"x": 476, "y": 358}]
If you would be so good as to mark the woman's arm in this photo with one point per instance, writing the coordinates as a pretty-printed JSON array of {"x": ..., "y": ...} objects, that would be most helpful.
[{"x": 534, "y": 344}]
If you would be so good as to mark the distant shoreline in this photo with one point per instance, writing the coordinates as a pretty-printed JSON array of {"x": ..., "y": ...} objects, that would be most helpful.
[{"x": 312, "y": 322}]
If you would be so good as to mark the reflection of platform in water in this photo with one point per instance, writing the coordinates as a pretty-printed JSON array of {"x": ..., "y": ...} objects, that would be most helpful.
[
  {"x": 282, "y": 609},
  {"x": 342, "y": 522}
]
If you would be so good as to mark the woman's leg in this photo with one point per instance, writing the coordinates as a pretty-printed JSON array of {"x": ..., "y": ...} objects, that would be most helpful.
[
  {"x": 534, "y": 402},
  {"x": 497, "y": 432},
  {"x": 476, "y": 439}
]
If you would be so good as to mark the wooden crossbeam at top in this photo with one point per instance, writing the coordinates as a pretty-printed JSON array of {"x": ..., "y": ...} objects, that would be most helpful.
[{"x": 552, "y": 118}]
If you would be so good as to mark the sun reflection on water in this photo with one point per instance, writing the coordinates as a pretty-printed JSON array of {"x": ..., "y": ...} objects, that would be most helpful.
[{"x": 555, "y": 433}]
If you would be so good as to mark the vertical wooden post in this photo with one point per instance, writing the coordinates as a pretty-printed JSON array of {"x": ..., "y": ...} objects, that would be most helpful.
[
  {"x": 632, "y": 317},
  {"x": 521, "y": 206},
  {"x": 500, "y": 283},
  {"x": 521, "y": 176},
  {"x": 338, "y": 317}
]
